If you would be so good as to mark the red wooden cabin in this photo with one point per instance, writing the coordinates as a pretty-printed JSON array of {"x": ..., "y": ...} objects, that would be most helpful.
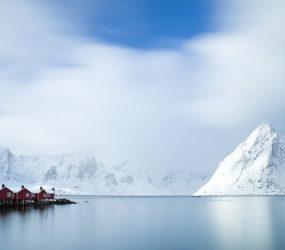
[
  {"x": 42, "y": 195},
  {"x": 35, "y": 196},
  {"x": 50, "y": 196},
  {"x": 23, "y": 194},
  {"x": 6, "y": 193}
]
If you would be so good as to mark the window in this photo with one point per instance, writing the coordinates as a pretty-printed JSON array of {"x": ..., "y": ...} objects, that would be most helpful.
[
  {"x": 27, "y": 195},
  {"x": 33, "y": 195},
  {"x": 9, "y": 194},
  {"x": 48, "y": 195},
  {"x": 45, "y": 195}
]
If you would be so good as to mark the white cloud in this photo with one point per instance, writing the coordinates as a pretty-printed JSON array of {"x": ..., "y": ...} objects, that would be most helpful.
[
  {"x": 156, "y": 108},
  {"x": 242, "y": 74}
]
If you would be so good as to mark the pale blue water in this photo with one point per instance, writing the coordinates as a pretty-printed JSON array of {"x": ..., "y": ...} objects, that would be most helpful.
[{"x": 148, "y": 223}]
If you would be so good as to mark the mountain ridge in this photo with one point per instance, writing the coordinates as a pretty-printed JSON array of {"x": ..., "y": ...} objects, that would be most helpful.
[{"x": 79, "y": 173}]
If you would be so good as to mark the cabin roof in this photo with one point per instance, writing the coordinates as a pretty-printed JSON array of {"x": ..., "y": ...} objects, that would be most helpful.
[
  {"x": 6, "y": 188},
  {"x": 17, "y": 190},
  {"x": 32, "y": 190}
]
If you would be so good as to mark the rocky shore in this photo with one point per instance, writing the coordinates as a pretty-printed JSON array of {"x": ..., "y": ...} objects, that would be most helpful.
[{"x": 61, "y": 201}]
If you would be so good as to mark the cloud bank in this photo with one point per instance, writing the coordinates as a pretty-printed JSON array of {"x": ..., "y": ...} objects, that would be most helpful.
[{"x": 158, "y": 109}]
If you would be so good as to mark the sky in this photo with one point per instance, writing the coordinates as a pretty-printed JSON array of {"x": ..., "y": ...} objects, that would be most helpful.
[{"x": 163, "y": 85}]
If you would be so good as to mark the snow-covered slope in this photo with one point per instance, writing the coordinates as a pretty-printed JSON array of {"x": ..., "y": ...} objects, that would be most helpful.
[
  {"x": 123, "y": 180},
  {"x": 80, "y": 174},
  {"x": 256, "y": 167},
  {"x": 62, "y": 171},
  {"x": 182, "y": 183}
]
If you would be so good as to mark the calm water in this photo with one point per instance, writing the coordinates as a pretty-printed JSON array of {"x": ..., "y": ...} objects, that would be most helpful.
[{"x": 148, "y": 223}]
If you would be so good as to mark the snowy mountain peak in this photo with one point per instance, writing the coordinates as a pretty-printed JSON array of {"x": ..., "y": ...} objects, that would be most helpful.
[
  {"x": 263, "y": 132},
  {"x": 265, "y": 125},
  {"x": 265, "y": 128},
  {"x": 257, "y": 166}
]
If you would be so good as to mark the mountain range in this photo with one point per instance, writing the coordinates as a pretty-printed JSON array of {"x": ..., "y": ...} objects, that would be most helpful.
[
  {"x": 255, "y": 167},
  {"x": 79, "y": 173}
]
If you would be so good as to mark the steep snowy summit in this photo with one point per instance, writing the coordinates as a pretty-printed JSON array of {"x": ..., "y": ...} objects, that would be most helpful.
[{"x": 256, "y": 167}]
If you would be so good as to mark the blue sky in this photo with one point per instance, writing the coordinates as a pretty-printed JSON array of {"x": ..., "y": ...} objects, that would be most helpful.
[
  {"x": 141, "y": 24},
  {"x": 157, "y": 85}
]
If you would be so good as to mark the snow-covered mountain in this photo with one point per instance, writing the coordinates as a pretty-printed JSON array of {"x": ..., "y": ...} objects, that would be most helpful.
[
  {"x": 256, "y": 167},
  {"x": 81, "y": 174},
  {"x": 62, "y": 171}
]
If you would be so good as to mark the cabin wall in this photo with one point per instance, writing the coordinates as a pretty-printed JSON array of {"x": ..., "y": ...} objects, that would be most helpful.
[
  {"x": 24, "y": 194},
  {"x": 6, "y": 194}
]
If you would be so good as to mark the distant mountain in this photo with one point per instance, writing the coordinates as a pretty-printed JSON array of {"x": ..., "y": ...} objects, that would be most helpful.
[
  {"x": 256, "y": 167},
  {"x": 63, "y": 171},
  {"x": 182, "y": 183},
  {"x": 81, "y": 174}
]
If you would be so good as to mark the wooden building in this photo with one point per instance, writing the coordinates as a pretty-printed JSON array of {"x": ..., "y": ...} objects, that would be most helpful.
[
  {"x": 23, "y": 194},
  {"x": 35, "y": 196},
  {"x": 50, "y": 196},
  {"x": 6, "y": 193},
  {"x": 42, "y": 195}
]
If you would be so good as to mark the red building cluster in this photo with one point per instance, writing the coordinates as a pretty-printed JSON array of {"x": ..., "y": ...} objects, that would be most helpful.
[{"x": 24, "y": 194}]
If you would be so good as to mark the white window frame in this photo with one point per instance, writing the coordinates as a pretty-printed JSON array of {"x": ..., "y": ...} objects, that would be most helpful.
[
  {"x": 27, "y": 195},
  {"x": 9, "y": 194}
]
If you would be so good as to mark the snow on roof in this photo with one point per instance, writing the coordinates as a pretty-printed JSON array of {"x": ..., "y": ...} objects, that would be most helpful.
[
  {"x": 32, "y": 189},
  {"x": 17, "y": 190},
  {"x": 5, "y": 187}
]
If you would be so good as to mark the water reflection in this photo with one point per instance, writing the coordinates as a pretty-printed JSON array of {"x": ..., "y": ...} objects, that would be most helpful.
[
  {"x": 4, "y": 211},
  {"x": 242, "y": 222},
  {"x": 19, "y": 225},
  {"x": 148, "y": 223}
]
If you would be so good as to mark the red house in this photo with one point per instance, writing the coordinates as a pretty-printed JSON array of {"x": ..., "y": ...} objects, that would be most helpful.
[
  {"x": 6, "y": 193},
  {"x": 50, "y": 196},
  {"x": 35, "y": 196},
  {"x": 23, "y": 194},
  {"x": 42, "y": 195}
]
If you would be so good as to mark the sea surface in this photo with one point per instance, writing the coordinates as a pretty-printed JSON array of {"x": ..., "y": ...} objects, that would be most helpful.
[{"x": 148, "y": 223}]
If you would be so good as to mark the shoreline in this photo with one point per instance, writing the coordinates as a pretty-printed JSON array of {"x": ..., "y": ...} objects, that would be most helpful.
[{"x": 15, "y": 204}]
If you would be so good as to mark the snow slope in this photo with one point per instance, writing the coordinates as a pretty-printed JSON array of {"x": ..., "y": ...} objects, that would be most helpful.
[
  {"x": 81, "y": 174},
  {"x": 182, "y": 183},
  {"x": 62, "y": 171},
  {"x": 256, "y": 167}
]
